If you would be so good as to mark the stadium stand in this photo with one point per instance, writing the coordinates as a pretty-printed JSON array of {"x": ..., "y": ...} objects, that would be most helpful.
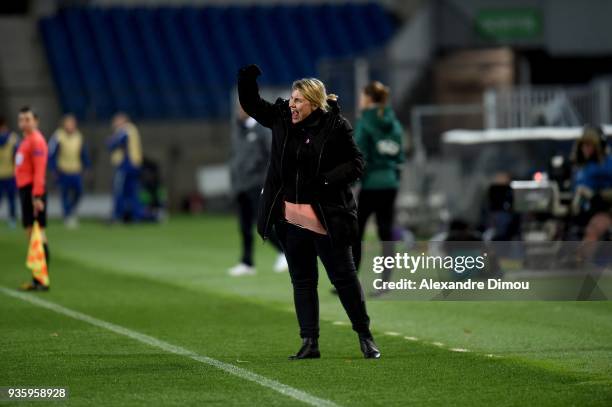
[{"x": 144, "y": 63}]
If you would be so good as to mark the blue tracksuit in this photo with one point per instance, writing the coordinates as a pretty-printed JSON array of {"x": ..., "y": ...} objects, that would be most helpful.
[
  {"x": 67, "y": 158},
  {"x": 8, "y": 188},
  {"x": 127, "y": 159}
]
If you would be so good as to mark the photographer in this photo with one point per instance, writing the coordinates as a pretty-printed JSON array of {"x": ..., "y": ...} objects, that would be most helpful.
[{"x": 592, "y": 184}]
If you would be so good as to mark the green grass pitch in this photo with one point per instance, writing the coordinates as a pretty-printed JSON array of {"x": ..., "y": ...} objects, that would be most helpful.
[{"x": 169, "y": 282}]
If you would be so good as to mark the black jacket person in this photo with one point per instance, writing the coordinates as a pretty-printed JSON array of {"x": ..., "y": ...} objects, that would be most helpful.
[{"x": 313, "y": 162}]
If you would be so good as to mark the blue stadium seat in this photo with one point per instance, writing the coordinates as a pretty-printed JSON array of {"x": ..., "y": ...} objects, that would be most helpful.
[
  {"x": 381, "y": 24},
  {"x": 88, "y": 63},
  {"x": 155, "y": 62},
  {"x": 215, "y": 21},
  {"x": 120, "y": 86},
  {"x": 130, "y": 57},
  {"x": 358, "y": 27},
  {"x": 181, "y": 62},
  {"x": 203, "y": 52},
  {"x": 283, "y": 61},
  {"x": 309, "y": 23},
  {"x": 186, "y": 82},
  {"x": 66, "y": 77},
  {"x": 283, "y": 21}
]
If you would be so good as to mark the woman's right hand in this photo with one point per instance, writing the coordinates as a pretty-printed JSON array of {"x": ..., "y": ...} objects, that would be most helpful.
[{"x": 249, "y": 71}]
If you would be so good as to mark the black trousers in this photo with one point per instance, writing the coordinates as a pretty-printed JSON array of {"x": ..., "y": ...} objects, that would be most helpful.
[
  {"x": 380, "y": 202},
  {"x": 302, "y": 248},
  {"x": 248, "y": 202},
  {"x": 27, "y": 209}
]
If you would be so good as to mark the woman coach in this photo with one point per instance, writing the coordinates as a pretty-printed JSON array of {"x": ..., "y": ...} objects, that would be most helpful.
[{"x": 307, "y": 199}]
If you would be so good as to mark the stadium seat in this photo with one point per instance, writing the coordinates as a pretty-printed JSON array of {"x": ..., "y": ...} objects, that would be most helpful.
[
  {"x": 59, "y": 54},
  {"x": 88, "y": 64},
  {"x": 118, "y": 80},
  {"x": 181, "y": 62}
]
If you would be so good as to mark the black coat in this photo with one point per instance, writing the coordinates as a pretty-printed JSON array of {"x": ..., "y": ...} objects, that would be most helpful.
[{"x": 314, "y": 161}]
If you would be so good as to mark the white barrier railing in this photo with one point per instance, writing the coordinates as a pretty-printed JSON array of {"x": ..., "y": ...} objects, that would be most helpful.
[{"x": 531, "y": 106}]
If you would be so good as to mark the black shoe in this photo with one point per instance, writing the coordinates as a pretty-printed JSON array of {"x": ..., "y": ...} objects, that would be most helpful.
[
  {"x": 33, "y": 287},
  {"x": 309, "y": 350},
  {"x": 369, "y": 348}
]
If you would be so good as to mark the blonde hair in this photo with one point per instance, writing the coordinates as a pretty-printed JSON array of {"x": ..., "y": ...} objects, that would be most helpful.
[{"x": 313, "y": 91}]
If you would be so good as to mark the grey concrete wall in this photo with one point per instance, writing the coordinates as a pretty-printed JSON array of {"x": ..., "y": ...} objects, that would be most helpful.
[
  {"x": 569, "y": 27},
  {"x": 25, "y": 78}
]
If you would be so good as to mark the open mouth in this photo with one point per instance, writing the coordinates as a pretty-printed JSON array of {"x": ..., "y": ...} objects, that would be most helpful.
[{"x": 294, "y": 115}]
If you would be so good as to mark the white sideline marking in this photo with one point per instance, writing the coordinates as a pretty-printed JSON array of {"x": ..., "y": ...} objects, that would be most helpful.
[
  {"x": 392, "y": 333},
  {"x": 438, "y": 344},
  {"x": 411, "y": 338},
  {"x": 459, "y": 350},
  {"x": 168, "y": 347}
]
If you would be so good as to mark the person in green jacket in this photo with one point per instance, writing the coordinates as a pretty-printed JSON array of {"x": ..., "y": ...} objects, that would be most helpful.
[{"x": 379, "y": 136}]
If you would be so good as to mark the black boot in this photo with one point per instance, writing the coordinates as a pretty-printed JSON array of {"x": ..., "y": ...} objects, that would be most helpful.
[
  {"x": 369, "y": 348},
  {"x": 309, "y": 350}
]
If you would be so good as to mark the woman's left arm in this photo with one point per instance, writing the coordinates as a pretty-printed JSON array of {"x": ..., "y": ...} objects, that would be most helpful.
[{"x": 351, "y": 168}]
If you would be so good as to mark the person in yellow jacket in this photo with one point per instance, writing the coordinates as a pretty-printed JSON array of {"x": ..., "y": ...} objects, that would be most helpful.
[
  {"x": 9, "y": 142},
  {"x": 68, "y": 159},
  {"x": 126, "y": 156}
]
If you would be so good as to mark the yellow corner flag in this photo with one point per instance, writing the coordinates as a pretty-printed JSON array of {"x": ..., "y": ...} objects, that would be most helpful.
[{"x": 36, "y": 257}]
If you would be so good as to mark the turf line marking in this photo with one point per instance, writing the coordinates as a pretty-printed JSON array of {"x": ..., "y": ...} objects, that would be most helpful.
[
  {"x": 411, "y": 338},
  {"x": 168, "y": 347}
]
